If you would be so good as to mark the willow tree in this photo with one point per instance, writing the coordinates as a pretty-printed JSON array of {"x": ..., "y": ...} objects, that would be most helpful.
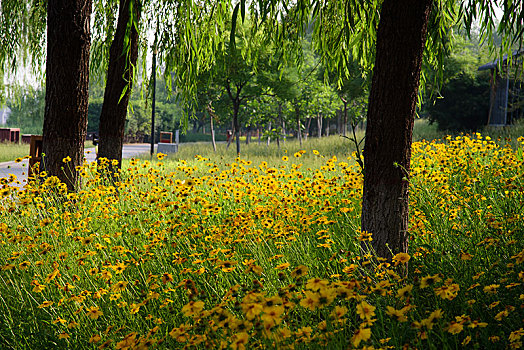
[
  {"x": 122, "y": 61},
  {"x": 392, "y": 40},
  {"x": 67, "y": 87}
]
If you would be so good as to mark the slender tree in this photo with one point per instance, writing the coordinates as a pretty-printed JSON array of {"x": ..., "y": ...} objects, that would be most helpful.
[
  {"x": 123, "y": 56},
  {"x": 67, "y": 88}
]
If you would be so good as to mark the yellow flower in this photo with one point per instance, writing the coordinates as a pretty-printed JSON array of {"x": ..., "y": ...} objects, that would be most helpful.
[
  {"x": 429, "y": 280},
  {"x": 94, "y": 312},
  {"x": 252, "y": 310},
  {"x": 501, "y": 315},
  {"x": 119, "y": 268},
  {"x": 134, "y": 308},
  {"x": 64, "y": 335},
  {"x": 66, "y": 159},
  {"x": 119, "y": 286},
  {"x": 316, "y": 283},
  {"x": 59, "y": 320},
  {"x": 465, "y": 256},
  {"x": 365, "y": 311},
  {"x": 193, "y": 308},
  {"x": 516, "y": 335},
  {"x": 338, "y": 312},
  {"x": 95, "y": 338},
  {"x": 299, "y": 271},
  {"x": 466, "y": 341},
  {"x": 398, "y": 314},
  {"x": 166, "y": 278},
  {"x": 491, "y": 289},
  {"x": 404, "y": 292},
  {"x": 45, "y": 304},
  {"x": 401, "y": 258},
  {"x": 282, "y": 266},
  {"x": 272, "y": 316},
  {"x": 361, "y": 334},
  {"x": 455, "y": 327},
  {"x": 310, "y": 301},
  {"x": 240, "y": 341},
  {"x": 160, "y": 155}
]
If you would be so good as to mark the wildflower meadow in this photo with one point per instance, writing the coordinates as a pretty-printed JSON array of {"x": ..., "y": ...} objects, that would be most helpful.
[{"x": 205, "y": 253}]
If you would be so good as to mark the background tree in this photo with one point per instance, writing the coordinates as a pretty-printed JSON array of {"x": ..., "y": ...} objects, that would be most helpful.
[
  {"x": 463, "y": 100},
  {"x": 27, "y": 110}
]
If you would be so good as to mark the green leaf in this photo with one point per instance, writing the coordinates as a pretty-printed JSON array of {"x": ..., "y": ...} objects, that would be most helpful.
[
  {"x": 233, "y": 28},
  {"x": 243, "y": 10}
]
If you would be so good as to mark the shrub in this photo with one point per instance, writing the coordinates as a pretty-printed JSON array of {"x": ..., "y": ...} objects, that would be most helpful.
[{"x": 464, "y": 104}]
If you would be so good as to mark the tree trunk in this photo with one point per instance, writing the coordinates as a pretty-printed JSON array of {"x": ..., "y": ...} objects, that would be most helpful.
[
  {"x": 248, "y": 135},
  {"x": 319, "y": 124},
  {"x": 269, "y": 133},
  {"x": 308, "y": 125},
  {"x": 392, "y": 100},
  {"x": 232, "y": 136},
  {"x": 212, "y": 127},
  {"x": 280, "y": 122},
  {"x": 297, "y": 116},
  {"x": 345, "y": 121},
  {"x": 119, "y": 79},
  {"x": 236, "y": 124},
  {"x": 67, "y": 87}
]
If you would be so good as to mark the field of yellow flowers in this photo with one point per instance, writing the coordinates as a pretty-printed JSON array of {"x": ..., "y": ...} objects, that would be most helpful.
[{"x": 203, "y": 254}]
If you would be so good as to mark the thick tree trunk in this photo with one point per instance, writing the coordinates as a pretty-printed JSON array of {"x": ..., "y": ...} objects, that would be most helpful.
[
  {"x": 387, "y": 151},
  {"x": 119, "y": 76},
  {"x": 67, "y": 87}
]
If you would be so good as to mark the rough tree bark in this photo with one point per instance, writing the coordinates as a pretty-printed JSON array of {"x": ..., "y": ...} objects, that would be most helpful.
[
  {"x": 119, "y": 78},
  {"x": 392, "y": 101},
  {"x": 67, "y": 87}
]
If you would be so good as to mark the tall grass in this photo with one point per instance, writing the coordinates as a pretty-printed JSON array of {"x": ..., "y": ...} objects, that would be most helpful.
[
  {"x": 213, "y": 253},
  {"x": 11, "y": 151}
]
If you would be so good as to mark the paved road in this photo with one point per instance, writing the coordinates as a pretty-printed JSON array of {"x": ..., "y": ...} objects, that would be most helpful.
[{"x": 20, "y": 169}]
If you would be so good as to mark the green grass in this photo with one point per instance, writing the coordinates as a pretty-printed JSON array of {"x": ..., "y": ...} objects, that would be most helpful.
[
  {"x": 11, "y": 151},
  {"x": 326, "y": 147}
]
